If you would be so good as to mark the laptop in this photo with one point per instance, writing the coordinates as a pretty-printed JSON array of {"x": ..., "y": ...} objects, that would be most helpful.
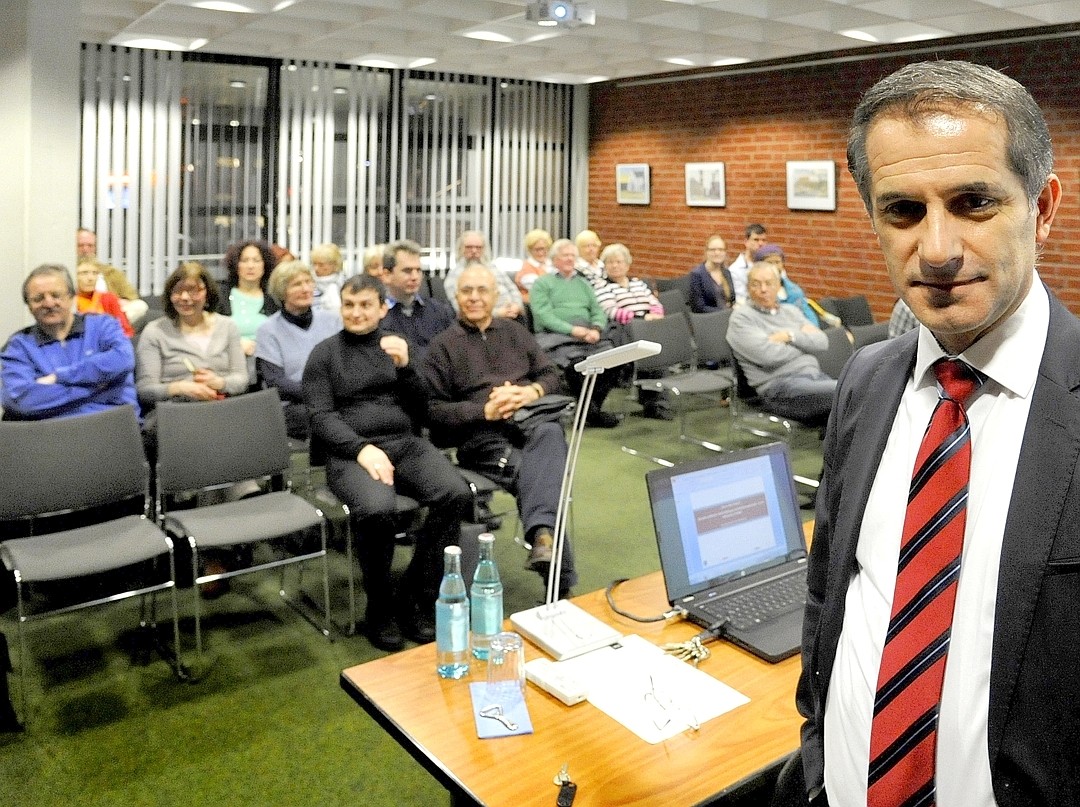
[{"x": 732, "y": 548}]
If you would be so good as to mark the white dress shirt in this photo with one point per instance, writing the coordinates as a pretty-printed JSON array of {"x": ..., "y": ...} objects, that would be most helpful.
[{"x": 1009, "y": 357}]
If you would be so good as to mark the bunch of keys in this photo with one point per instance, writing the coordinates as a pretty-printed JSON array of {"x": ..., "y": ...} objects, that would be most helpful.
[
  {"x": 567, "y": 789},
  {"x": 692, "y": 650}
]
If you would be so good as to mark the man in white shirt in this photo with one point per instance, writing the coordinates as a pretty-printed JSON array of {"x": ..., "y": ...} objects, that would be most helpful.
[
  {"x": 740, "y": 267},
  {"x": 954, "y": 164}
]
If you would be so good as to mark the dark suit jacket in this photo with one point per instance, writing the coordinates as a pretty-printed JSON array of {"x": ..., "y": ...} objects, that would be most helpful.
[{"x": 1034, "y": 718}]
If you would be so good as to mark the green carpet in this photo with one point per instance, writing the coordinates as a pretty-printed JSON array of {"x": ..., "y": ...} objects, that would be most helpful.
[{"x": 267, "y": 723}]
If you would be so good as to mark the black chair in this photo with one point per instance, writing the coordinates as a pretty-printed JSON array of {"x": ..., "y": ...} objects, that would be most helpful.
[
  {"x": 840, "y": 349},
  {"x": 674, "y": 301},
  {"x": 677, "y": 362},
  {"x": 852, "y": 311},
  {"x": 77, "y": 491},
  {"x": 868, "y": 334},
  {"x": 215, "y": 445}
]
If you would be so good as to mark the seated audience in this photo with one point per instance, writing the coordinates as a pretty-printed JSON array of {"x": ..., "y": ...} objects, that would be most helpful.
[
  {"x": 537, "y": 244},
  {"x": 112, "y": 279},
  {"x": 366, "y": 400},
  {"x": 89, "y": 299},
  {"x": 374, "y": 258},
  {"x": 740, "y": 267},
  {"x": 570, "y": 325},
  {"x": 481, "y": 370},
  {"x": 326, "y": 262},
  {"x": 472, "y": 248},
  {"x": 590, "y": 263},
  {"x": 65, "y": 363},
  {"x": 774, "y": 344},
  {"x": 192, "y": 353},
  {"x": 790, "y": 291},
  {"x": 623, "y": 299},
  {"x": 711, "y": 286},
  {"x": 416, "y": 318},
  {"x": 901, "y": 320},
  {"x": 243, "y": 294},
  {"x": 285, "y": 340}
]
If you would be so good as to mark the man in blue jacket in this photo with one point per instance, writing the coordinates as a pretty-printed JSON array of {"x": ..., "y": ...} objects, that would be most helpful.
[{"x": 65, "y": 363}]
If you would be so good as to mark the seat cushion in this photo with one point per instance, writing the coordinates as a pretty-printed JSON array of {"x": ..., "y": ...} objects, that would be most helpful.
[
  {"x": 258, "y": 518},
  {"x": 85, "y": 550}
]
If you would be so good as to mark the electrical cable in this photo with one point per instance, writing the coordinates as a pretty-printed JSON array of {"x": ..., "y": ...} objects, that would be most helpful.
[{"x": 611, "y": 603}]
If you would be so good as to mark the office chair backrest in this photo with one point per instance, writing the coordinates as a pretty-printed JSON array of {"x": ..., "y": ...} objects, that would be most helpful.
[
  {"x": 674, "y": 302},
  {"x": 710, "y": 335},
  {"x": 55, "y": 466},
  {"x": 840, "y": 349},
  {"x": 205, "y": 444},
  {"x": 673, "y": 335}
]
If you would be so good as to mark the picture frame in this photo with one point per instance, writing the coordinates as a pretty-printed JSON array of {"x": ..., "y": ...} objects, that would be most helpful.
[
  {"x": 632, "y": 184},
  {"x": 706, "y": 185},
  {"x": 811, "y": 184}
]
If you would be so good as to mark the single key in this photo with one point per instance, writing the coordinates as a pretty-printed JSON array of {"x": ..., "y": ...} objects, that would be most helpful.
[{"x": 563, "y": 776}]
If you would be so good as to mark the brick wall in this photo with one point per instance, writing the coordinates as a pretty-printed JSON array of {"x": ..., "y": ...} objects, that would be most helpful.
[{"x": 755, "y": 124}]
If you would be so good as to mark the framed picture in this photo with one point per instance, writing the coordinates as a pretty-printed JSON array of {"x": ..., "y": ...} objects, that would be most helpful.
[
  {"x": 705, "y": 185},
  {"x": 811, "y": 185},
  {"x": 632, "y": 184}
]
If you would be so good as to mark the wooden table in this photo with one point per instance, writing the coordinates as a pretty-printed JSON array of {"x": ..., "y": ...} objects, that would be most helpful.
[{"x": 432, "y": 719}]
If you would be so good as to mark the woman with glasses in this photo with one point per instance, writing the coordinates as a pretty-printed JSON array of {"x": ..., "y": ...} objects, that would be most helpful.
[{"x": 192, "y": 353}]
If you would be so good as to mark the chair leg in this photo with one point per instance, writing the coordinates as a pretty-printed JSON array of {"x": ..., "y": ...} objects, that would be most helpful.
[
  {"x": 23, "y": 677},
  {"x": 197, "y": 597},
  {"x": 351, "y": 627},
  {"x": 326, "y": 581}
]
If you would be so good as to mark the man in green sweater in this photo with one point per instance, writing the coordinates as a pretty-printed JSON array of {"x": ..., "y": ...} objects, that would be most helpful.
[{"x": 570, "y": 325}]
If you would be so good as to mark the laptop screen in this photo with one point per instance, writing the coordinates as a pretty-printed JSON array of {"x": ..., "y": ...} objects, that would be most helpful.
[{"x": 725, "y": 518}]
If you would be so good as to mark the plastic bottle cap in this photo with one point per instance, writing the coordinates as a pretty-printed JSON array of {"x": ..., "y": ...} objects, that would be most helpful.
[
  {"x": 486, "y": 537},
  {"x": 452, "y": 550}
]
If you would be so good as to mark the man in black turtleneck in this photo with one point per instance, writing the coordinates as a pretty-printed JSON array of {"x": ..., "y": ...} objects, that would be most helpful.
[{"x": 365, "y": 399}]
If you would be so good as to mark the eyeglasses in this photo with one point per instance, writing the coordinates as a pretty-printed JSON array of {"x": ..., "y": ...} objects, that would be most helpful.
[
  {"x": 48, "y": 296},
  {"x": 191, "y": 291}
]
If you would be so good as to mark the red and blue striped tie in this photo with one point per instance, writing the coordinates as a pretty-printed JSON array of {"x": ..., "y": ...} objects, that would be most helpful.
[{"x": 903, "y": 736}]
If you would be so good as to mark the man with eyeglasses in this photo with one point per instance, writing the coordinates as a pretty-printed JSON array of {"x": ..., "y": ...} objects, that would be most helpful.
[{"x": 64, "y": 364}]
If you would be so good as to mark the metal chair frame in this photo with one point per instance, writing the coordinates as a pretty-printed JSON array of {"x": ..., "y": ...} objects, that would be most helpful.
[
  {"x": 45, "y": 476},
  {"x": 207, "y": 446}
]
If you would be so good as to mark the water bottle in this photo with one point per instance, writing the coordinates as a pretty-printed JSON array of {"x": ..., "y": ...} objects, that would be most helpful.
[
  {"x": 487, "y": 598},
  {"x": 452, "y": 619}
]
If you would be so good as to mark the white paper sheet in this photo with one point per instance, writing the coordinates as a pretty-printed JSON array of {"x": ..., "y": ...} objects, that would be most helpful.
[{"x": 653, "y": 694}]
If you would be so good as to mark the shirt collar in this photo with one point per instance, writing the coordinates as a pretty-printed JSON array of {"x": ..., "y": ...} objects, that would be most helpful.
[
  {"x": 1005, "y": 353},
  {"x": 78, "y": 327}
]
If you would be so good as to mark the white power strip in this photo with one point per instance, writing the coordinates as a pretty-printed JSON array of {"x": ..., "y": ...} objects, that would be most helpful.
[
  {"x": 551, "y": 676},
  {"x": 563, "y": 630}
]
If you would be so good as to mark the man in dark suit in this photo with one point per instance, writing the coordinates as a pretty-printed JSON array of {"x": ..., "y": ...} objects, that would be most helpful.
[{"x": 954, "y": 164}]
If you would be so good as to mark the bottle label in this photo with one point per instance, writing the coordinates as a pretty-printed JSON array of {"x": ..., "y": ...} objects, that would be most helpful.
[{"x": 453, "y": 633}]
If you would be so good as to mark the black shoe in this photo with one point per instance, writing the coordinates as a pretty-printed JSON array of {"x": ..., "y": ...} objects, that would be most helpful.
[
  {"x": 602, "y": 420},
  {"x": 383, "y": 633},
  {"x": 420, "y": 627},
  {"x": 659, "y": 412}
]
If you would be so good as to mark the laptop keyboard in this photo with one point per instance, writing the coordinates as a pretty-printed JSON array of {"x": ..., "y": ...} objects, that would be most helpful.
[{"x": 758, "y": 604}]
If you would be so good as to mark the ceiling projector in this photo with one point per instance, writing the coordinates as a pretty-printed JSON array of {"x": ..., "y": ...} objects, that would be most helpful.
[{"x": 559, "y": 12}]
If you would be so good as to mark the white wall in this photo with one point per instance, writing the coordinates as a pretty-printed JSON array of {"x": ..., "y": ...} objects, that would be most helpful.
[{"x": 39, "y": 144}]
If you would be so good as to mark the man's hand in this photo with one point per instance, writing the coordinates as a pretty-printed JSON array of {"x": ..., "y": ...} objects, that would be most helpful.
[
  {"x": 510, "y": 311},
  {"x": 374, "y": 460},
  {"x": 396, "y": 348},
  {"x": 248, "y": 345},
  {"x": 503, "y": 401},
  {"x": 46, "y": 379},
  {"x": 589, "y": 336}
]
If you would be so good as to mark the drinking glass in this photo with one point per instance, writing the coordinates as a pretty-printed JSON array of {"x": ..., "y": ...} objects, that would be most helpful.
[{"x": 506, "y": 669}]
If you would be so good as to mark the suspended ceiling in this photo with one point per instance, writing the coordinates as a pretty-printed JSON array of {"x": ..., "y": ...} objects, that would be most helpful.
[{"x": 630, "y": 37}]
